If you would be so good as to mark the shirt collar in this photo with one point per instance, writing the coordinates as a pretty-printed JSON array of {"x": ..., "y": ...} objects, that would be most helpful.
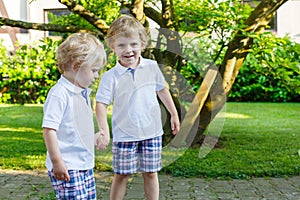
[
  {"x": 71, "y": 87},
  {"x": 121, "y": 69}
]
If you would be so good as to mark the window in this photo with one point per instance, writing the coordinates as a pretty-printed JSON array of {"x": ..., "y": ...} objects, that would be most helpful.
[{"x": 48, "y": 13}]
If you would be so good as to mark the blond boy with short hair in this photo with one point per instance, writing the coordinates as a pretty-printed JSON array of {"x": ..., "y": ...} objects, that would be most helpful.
[{"x": 133, "y": 86}]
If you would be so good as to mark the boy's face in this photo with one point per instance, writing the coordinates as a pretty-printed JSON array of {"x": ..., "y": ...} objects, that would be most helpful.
[
  {"x": 128, "y": 50},
  {"x": 86, "y": 75}
]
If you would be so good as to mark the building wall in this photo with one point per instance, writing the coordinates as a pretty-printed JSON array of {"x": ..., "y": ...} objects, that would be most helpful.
[
  {"x": 16, "y": 9},
  {"x": 36, "y": 14},
  {"x": 31, "y": 11},
  {"x": 288, "y": 20}
]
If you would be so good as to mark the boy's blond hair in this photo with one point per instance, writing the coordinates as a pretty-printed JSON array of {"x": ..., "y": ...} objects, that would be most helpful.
[
  {"x": 80, "y": 49},
  {"x": 126, "y": 26}
]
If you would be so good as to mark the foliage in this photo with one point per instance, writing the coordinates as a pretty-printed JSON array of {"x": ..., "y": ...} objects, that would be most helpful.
[
  {"x": 29, "y": 73},
  {"x": 271, "y": 72},
  {"x": 211, "y": 22},
  {"x": 257, "y": 140},
  {"x": 106, "y": 10},
  {"x": 206, "y": 28},
  {"x": 213, "y": 17},
  {"x": 214, "y": 22},
  {"x": 4, "y": 55}
]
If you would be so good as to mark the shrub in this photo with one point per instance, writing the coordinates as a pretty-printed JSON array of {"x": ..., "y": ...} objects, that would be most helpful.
[
  {"x": 270, "y": 73},
  {"x": 27, "y": 75}
]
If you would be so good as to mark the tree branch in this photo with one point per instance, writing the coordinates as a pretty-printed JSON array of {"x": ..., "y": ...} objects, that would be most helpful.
[
  {"x": 41, "y": 26},
  {"x": 168, "y": 15},
  {"x": 148, "y": 10},
  {"x": 153, "y": 14},
  {"x": 137, "y": 8},
  {"x": 86, "y": 14}
]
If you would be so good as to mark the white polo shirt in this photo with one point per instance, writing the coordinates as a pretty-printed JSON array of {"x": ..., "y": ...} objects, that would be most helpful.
[
  {"x": 70, "y": 114},
  {"x": 136, "y": 112}
]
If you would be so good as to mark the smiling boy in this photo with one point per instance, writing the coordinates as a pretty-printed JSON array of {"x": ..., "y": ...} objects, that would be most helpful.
[{"x": 133, "y": 85}]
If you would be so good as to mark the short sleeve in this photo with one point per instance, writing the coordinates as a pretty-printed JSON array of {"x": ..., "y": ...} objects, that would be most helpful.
[
  {"x": 54, "y": 109},
  {"x": 160, "y": 79},
  {"x": 105, "y": 89}
]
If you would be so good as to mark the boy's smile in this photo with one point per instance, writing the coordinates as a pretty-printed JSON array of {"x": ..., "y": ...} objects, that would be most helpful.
[{"x": 128, "y": 50}]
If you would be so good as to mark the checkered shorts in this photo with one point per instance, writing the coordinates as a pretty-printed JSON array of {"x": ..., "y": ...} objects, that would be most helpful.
[
  {"x": 142, "y": 156},
  {"x": 81, "y": 185}
]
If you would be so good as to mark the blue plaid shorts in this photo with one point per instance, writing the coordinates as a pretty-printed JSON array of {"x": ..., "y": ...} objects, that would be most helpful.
[
  {"x": 137, "y": 156},
  {"x": 81, "y": 185}
]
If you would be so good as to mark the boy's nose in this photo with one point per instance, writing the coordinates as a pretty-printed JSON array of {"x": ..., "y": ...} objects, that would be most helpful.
[{"x": 128, "y": 48}]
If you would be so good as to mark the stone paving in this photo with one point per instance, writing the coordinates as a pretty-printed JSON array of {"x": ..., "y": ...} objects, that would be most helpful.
[{"x": 33, "y": 185}]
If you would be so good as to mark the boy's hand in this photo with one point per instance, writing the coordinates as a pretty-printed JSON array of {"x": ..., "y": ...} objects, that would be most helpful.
[
  {"x": 60, "y": 171},
  {"x": 101, "y": 140},
  {"x": 175, "y": 125}
]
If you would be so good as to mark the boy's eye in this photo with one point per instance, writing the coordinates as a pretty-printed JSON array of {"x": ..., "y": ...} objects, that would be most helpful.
[{"x": 135, "y": 45}]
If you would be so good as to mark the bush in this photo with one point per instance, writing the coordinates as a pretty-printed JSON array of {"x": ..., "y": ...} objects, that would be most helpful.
[
  {"x": 27, "y": 75},
  {"x": 270, "y": 73}
]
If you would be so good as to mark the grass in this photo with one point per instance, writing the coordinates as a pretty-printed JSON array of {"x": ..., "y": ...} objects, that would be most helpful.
[
  {"x": 257, "y": 140},
  {"x": 22, "y": 145}
]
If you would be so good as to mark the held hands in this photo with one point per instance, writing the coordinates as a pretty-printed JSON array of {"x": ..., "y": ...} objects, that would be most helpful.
[{"x": 101, "y": 140}]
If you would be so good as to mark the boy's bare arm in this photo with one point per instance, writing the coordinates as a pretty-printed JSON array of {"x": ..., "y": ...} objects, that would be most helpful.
[
  {"x": 103, "y": 136},
  {"x": 59, "y": 167},
  {"x": 166, "y": 98}
]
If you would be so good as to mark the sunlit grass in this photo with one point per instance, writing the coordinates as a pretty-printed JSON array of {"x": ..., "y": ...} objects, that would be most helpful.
[
  {"x": 236, "y": 116},
  {"x": 20, "y": 129},
  {"x": 255, "y": 139}
]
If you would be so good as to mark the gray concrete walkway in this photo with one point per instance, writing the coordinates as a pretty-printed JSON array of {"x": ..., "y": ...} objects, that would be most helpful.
[{"x": 36, "y": 185}]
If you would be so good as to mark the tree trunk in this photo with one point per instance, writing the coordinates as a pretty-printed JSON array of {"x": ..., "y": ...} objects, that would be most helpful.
[{"x": 237, "y": 51}]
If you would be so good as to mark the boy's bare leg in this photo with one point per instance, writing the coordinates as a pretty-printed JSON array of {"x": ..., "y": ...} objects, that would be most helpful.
[
  {"x": 118, "y": 187},
  {"x": 151, "y": 185}
]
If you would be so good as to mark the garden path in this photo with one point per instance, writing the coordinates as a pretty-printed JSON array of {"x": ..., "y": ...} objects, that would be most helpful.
[{"x": 33, "y": 185}]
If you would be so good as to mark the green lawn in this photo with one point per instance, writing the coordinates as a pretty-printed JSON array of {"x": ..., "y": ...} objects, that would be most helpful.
[{"x": 257, "y": 139}]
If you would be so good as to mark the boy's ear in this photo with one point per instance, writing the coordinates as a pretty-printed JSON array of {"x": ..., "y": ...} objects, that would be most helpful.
[
  {"x": 75, "y": 66},
  {"x": 112, "y": 48}
]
